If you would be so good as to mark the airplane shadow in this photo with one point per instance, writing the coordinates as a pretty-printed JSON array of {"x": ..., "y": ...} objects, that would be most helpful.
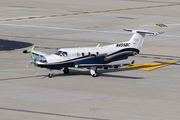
[
  {"x": 7, "y": 45},
  {"x": 146, "y": 55},
  {"x": 20, "y": 78},
  {"x": 178, "y": 62},
  {"x": 102, "y": 73}
]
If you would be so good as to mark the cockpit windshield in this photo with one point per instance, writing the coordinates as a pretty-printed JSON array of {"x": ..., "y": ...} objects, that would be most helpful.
[
  {"x": 57, "y": 52},
  {"x": 61, "y": 53}
]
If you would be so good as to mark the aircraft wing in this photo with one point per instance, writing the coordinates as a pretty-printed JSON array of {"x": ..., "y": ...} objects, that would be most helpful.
[
  {"x": 39, "y": 53},
  {"x": 103, "y": 65},
  {"x": 33, "y": 51}
]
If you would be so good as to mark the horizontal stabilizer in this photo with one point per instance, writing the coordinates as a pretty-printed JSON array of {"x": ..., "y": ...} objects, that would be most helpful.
[{"x": 141, "y": 31}]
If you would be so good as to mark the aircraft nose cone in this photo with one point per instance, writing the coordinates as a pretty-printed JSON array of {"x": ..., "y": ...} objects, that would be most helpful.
[{"x": 31, "y": 61}]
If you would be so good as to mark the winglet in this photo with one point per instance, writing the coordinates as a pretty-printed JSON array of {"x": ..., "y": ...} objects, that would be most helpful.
[
  {"x": 33, "y": 48},
  {"x": 28, "y": 51}
]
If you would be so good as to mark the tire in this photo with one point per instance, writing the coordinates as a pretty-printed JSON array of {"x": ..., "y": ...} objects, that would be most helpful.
[
  {"x": 66, "y": 70},
  {"x": 95, "y": 74},
  {"x": 50, "y": 75}
]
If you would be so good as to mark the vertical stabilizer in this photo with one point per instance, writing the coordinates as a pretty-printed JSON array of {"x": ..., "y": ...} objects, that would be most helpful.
[{"x": 137, "y": 39}]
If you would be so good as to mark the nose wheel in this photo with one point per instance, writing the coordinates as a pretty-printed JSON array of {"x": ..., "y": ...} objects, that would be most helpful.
[
  {"x": 65, "y": 70},
  {"x": 50, "y": 75}
]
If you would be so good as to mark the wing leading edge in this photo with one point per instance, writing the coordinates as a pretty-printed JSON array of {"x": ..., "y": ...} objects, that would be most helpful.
[{"x": 33, "y": 51}]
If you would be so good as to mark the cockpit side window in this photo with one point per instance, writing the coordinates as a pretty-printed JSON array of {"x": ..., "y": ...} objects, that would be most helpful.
[{"x": 64, "y": 54}]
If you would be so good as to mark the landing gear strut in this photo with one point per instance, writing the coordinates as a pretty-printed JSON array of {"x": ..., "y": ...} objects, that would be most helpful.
[
  {"x": 65, "y": 70},
  {"x": 93, "y": 71},
  {"x": 50, "y": 74}
]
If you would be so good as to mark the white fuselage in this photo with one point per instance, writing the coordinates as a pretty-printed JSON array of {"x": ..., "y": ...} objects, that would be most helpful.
[{"x": 73, "y": 53}]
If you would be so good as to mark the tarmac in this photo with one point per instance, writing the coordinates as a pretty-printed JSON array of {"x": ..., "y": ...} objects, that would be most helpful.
[{"x": 117, "y": 94}]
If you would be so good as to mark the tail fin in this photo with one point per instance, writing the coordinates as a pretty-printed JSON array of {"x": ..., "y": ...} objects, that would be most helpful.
[{"x": 137, "y": 39}]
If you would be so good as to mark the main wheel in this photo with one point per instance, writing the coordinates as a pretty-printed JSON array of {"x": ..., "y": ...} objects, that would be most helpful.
[
  {"x": 66, "y": 70},
  {"x": 95, "y": 74},
  {"x": 50, "y": 75}
]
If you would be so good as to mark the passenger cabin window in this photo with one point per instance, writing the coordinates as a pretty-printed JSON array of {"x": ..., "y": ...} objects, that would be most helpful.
[
  {"x": 97, "y": 53},
  {"x": 83, "y": 54},
  {"x": 78, "y": 54},
  {"x": 89, "y": 53}
]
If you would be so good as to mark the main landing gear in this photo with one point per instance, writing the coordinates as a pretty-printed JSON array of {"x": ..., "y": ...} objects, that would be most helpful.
[
  {"x": 65, "y": 70},
  {"x": 93, "y": 71}
]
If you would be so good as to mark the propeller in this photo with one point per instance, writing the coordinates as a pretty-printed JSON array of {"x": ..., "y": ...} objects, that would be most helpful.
[
  {"x": 33, "y": 60},
  {"x": 35, "y": 66}
]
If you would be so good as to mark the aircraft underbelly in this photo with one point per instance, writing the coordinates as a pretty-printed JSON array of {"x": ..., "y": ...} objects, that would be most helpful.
[{"x": 118, "y": 56}]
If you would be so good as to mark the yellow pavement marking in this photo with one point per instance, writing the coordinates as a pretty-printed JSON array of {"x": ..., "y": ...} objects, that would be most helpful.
[
  {"x": 147, "y": 66},
  {"x": 161, "y": 25}
]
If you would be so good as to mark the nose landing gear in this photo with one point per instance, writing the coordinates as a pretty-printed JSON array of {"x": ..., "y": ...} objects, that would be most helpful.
[
  {"x": 65, "y": 70},
  {"x": 50, "y": 75}
]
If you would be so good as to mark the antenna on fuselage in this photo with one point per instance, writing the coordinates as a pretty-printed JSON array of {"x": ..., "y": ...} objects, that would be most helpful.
[{"x": 98, "y": 45}]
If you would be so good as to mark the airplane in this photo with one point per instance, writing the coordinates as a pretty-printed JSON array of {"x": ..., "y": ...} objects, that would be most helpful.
[{"x": 92, "y": 58}]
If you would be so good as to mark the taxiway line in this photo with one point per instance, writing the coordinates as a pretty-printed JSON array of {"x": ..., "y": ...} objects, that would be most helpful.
[
  {"x": 85, "y": 41},
  {"x": 157, "y": 57},
  {"x": 55, "y": 114},
  {"x": 46, "y": 27},
  {"x": 7, "y": 70},
  {"x": 80, "y": 13},
  {"x": 10, "y": 9},
  {"x": 72, "y": 29},
  {"x": 151, "y": 1}
]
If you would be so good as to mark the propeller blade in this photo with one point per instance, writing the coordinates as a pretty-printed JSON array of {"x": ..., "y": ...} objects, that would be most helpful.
[
  {"x": 33, "y": 60},
  {"x": 35, "y": 66},
  {"x": 36, "y": 70},
  {"x": 28, "y": 65},
  {"x": 32, "y": 57}
]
